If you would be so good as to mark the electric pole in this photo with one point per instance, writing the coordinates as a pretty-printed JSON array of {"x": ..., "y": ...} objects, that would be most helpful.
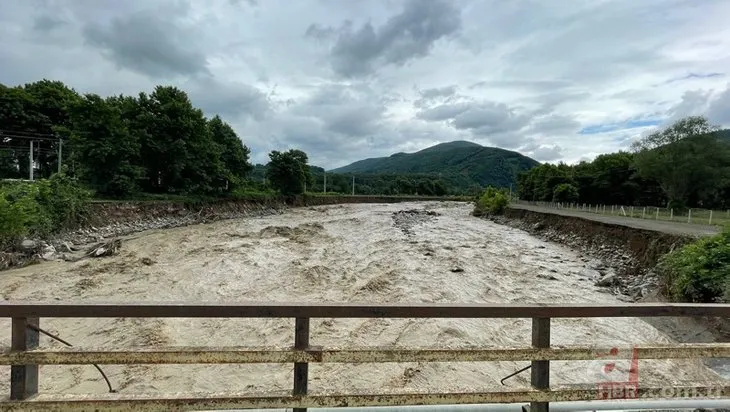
[
  {"x": 325, "y": 182},
  {"x": 353, "y": 185},
  {"x": 60, "y": 149},
  {"x": 30, "y": 159}
]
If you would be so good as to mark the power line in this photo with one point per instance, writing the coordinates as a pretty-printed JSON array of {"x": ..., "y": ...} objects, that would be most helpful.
[
  {"x": 39, "y": 138},
  {"x": 21, "y": 132}
]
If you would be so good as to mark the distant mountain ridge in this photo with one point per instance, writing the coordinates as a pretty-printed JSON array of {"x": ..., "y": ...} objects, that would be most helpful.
[{"x": 459, "y": 162}]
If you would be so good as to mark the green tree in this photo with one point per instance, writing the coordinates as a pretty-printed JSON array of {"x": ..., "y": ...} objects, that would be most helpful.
[
  {"x": 51, "y": 105},
  {"x": 565, "y": 192},
  {"x": 492, "y": 202},
  {"x": 234, "y": 154},
  {"x": 288, "y": 171},
  {"x": 108, "y": 154},
  {"x": 179, "y": 154},
  {"x": 683, "y": 157}
]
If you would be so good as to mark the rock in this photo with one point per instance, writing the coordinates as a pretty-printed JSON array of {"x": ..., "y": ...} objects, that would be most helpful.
[
  {"x": 538, "y": 226},
  {"x": 147, "y": 261},
  {"x": 589, "y": 273},
  {"x": 28, "y": 245},
  {"x": 66, "y": 247},
  {"x": 457, "y": 269},
  {"x": 48, "y": 252},
  {"x": 609, "y": 279},
  {"x": 597, "y": 265}
]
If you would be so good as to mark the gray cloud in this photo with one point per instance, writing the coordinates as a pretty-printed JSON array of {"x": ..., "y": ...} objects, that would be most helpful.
[
  {"x": 229, "y": 99},
  {"x": 547, "y": 153},
  {"x": 443, "y": 111},
  {"x": 149, "y": 42},
  {"x": 445, "y": 91},
  {"x": 408, "y": 35},
  {"x": 497, "y": 122},
  {"x": 434, "y": 94},
  {"x": 554, "y": 124},
  {"x": 693, "y": 102},
  {"x": 46, "y": 23},
  {"x": 719, "y": 110},
  {"x": 490, "y": 117},
  {"x": 372, "y": 78}
]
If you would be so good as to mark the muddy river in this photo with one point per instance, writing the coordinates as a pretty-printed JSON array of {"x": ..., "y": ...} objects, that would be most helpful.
[{"x": 342, "y": 253}]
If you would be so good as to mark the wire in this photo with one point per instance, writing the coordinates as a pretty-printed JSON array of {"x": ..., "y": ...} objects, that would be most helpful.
[
  {"x": 18, "y": 132},
  {"x": 52, "y": 336},
  {"x": 515, "y": 373}
]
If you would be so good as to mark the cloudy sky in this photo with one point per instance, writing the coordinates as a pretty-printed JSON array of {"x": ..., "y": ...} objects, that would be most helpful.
[{"x": 349, "y": 79}]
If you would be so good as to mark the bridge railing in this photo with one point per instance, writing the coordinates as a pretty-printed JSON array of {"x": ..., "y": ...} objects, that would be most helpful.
[{"x": 24, "y": 355}]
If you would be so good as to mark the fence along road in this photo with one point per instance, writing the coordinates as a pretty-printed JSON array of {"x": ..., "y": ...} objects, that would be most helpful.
[
  {"x": 671, "y": 227},
  {"x": 25, "y": 357}
]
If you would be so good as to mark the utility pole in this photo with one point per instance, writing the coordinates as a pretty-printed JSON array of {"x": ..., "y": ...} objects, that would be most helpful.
[
  {"x": 30, "y": 165},
  {"x": 325, "y": 182},
  {"x": 60, "y": 149},
  {"x": 353, "y": 185}
]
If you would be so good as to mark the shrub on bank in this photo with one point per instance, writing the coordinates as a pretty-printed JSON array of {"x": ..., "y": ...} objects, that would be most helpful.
[
  {"x": 39, "y": 208},
  {"x": 492, "y": 202},
  {"x": 700, "y": 271}
]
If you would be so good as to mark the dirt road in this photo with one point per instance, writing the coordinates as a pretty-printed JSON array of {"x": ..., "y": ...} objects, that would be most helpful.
[
  {"x": 344, "y": 253},
  {"x": 676, "y": 228}
]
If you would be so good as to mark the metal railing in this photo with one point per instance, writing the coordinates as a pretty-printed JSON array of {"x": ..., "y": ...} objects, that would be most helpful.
[{"x": 24, "y": 355}]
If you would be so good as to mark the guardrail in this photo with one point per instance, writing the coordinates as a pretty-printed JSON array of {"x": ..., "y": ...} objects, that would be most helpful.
[{"x": 25, "y": 357}]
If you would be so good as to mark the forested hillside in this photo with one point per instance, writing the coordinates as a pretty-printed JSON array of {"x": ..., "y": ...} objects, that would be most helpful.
[
  {"x": 120, "y": 145},
  {"x": 461, "y": 164}
]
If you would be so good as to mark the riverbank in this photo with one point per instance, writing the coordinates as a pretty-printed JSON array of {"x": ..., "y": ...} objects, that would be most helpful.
[{"x": 108, "y": 219}]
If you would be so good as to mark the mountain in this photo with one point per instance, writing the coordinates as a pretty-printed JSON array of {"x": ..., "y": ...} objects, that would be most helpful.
[{"x": 460, "y": 163}]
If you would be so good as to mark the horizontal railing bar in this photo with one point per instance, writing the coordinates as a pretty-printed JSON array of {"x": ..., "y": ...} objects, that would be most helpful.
[
  {"x": 354, "y": 310},
  {"x": 236, "y": 355},
  {"x": 119, "y": 402}
]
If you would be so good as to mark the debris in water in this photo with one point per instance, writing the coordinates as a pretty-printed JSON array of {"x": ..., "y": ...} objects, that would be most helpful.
[
  {"x": 457, "y": 269},
  {"x": 105, "y": 248},
  {"x": 406, "y": 219}
]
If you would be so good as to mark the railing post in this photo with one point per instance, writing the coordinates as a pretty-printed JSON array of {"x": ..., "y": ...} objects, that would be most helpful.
[
  {"x": 23, "y": 378},
  {"x": 540, "y": 370},
  {"x": 301, "y": 370}
]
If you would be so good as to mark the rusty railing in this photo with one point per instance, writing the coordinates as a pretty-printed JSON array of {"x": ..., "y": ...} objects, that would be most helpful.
[{"x": 24, "y": 355}]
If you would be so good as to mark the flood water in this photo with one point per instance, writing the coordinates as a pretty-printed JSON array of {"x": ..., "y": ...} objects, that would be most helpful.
[{"x": 341, "y": 253}]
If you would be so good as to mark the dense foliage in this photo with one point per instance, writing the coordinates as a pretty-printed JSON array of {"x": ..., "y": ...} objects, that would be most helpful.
[
  {"x": 684, "y": 165},
  {"x": 368, "y": 184},
  {"x": 288, "y": 171},
  {"x": 685, "y": 159},
  {"x": 492, "y": 202},
  {"x": 460, "y": 165},
  {"x": 700, "y": 271},
  {"x": 39, "y": 208},
  {"x": 118, "y": 146},
  {"x": 565, "y": 192}
]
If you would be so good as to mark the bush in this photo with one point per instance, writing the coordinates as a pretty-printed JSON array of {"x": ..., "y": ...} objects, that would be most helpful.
[
  {"x": 700, "y": 271},
  {"x": 565, "y": 192},
  {"x": 491, "y": 202},
  {"x": 39, "y": 208}
]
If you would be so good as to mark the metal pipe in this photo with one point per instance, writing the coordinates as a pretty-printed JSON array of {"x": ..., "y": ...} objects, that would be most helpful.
[{"x": 578, "y": 406}]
